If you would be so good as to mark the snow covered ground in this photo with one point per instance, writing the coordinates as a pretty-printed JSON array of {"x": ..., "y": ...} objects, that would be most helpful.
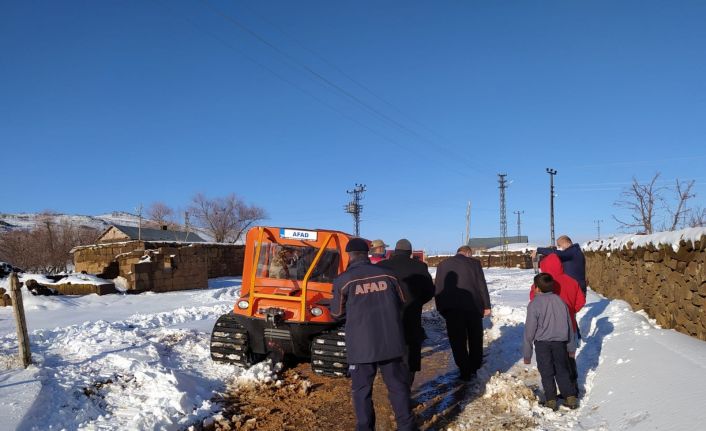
[
  {"x": 142, "y": 362},
  {"x": 633, "y": 374},
  {"x": 117, "y": 361}
]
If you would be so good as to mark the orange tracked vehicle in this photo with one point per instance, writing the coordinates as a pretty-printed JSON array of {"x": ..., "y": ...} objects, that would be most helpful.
[{"x": 283, "y": 307}]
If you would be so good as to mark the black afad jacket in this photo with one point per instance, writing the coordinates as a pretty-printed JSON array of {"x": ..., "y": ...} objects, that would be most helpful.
[{"x": 369, "y": 298}]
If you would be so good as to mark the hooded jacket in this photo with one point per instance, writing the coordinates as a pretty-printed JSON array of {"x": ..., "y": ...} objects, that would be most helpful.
[
  {"x": 566, "y": 287},
  {"x": 574, "y": 262}
]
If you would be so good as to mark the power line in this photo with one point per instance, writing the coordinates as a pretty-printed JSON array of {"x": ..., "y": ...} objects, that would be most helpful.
[
  {"x": 303, "y": 90},
  {"x": 340, "y": 70},
  {"x": 307, "y": 93},
  {"x": 318, "y": 76}
]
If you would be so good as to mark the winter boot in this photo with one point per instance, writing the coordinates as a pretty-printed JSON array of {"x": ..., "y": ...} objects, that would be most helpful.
[
  {"x": 551, "y": 404},
  {"x": 571, "y": 402}
]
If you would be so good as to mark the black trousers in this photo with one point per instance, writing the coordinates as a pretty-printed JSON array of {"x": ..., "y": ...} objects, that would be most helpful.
[
  {"x": 396, "y": 377},
  {"x": 574, "y": 374},
  {"x": 465, "y": 330},
  {"x": 553, "y": 365}
]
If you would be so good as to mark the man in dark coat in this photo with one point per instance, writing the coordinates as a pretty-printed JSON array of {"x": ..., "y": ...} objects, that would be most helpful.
[
  {"x": 370, "y": 299},
  {"x": 418, "y": 286},
  {"x": 462, "y": 299},
  {"x": 571, "y": 257}
]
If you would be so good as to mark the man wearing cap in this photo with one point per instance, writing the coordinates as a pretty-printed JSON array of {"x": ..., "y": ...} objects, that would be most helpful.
[
  {"x": 418, "y": 287},
  {"x": 369, "y": 298},
  {"x": 377, "y": 250},
  {"x": 462, "y": 299}
]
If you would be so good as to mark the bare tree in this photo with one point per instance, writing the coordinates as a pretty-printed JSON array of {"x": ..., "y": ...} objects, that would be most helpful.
[
  {"x": 47, "y": 247},
  {"x": 226, "y": 218},
  {"x": 160, "y": 214},
  {"x": 698, "y": 217},
  {"x": 641, "y": 201},
  {"x": 677, "y": 217}
]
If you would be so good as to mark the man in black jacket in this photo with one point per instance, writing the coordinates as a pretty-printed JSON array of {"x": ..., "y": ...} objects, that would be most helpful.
[
  {"x": 571, "y": 257},
  {"x": 462, "y": 299},
  {"x": 418, "y": 286},
  {"x": 369, "y": 298}
]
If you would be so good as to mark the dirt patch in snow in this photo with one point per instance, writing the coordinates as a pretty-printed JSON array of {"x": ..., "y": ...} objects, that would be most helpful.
[{"x": 301, "y": 399}]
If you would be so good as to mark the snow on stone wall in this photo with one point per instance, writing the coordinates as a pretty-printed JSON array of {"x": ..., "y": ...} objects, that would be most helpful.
[{"x": 664, "y": 274}]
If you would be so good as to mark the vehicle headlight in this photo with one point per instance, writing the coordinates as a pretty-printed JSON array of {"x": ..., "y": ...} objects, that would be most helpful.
[
  {"x": 316, "y": 311},
  {"x": 243, "y": 305}
]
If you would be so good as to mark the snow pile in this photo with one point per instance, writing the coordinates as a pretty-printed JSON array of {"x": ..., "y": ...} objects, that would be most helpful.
[
  {"x": 46, "y": 281},
  {"x": 142, "y": 370},
  {"x": 672, "y": 239}
]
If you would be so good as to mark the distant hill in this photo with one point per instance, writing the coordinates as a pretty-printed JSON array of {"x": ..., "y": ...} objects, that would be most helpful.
[{"x": 27, "y": 221}]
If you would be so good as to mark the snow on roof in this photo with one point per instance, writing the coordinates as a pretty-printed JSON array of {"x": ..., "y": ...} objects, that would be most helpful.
[
  {"x": 656, "y": 239},
  {"x": 149, "y": 234}
]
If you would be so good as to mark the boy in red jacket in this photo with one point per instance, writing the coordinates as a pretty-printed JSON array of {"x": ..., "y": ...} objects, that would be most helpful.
[{"x": 570, "y": 292}]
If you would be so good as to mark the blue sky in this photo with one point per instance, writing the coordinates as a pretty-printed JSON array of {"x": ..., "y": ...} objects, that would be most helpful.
[{"x": 105, "y": 105}]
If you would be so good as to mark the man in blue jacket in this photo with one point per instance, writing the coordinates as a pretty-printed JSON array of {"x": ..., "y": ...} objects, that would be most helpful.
[
  {"x": 369, "y": 298},
  {"x": 571, "y": 257}
]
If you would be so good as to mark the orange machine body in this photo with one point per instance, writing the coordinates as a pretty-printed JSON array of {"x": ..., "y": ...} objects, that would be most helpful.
[{"x": 292, "y": 270}]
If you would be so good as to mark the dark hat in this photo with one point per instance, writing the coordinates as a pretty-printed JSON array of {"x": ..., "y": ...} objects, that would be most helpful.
[
  {"x": 403, "y": 244},
  {"x": 357, "y": 244}
]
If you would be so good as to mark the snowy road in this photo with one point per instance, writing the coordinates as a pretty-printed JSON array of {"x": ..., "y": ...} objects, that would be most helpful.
[{"x": 142, "y": 362}]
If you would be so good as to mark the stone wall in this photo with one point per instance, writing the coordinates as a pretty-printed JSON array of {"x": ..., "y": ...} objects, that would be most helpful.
[
  {"x": 223, "y": 259},
  {"x": 160, "y": 266},
  {"x": 164, "y": 269},
  {"x": 669, "y": 285},
  {"x": 98, "y": 259},
  {"x": 515, "y": 260}
]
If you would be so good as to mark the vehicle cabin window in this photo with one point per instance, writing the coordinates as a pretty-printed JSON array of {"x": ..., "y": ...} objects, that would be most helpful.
[{"x": 289, "y": 262}]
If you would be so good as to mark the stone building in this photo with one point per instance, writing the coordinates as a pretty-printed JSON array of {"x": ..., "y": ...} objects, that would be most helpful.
[{"x": 159, "y": 266}]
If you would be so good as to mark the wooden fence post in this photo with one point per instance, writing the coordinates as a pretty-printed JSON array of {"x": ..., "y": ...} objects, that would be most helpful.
[{"x": 22, "y": 337}]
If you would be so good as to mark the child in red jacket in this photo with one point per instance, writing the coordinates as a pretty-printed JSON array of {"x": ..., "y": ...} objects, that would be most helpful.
[{"x": 569, "y": 291}]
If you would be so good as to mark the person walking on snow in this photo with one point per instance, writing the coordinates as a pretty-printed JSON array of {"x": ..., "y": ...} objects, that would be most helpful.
[
  {"x": 549, "y": 328},
  {"x": 569, "y": 291},
  {"x": 369, "y": 298},
  {"x": 418, "y": 286},
  {"x": 462, "y": 299},
  {"x": 571, "y": 256}
]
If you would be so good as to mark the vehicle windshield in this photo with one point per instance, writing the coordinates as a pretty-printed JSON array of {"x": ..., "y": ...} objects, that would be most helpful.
[{"x": 291, "y": 262}]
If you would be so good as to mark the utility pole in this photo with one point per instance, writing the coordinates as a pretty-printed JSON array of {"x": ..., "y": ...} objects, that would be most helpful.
[
  {"x": 519, "y": 224},
  {"x": 598, "y": 227},
  {"x": 354, "y": 207},
  {"x": 503, "y": 216},
  {"x": 139, "y": 224},
  {"x": 468, "y": 223},
  {"x": 186, "y": 224},
  {"x": 551, "y": 173}
]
